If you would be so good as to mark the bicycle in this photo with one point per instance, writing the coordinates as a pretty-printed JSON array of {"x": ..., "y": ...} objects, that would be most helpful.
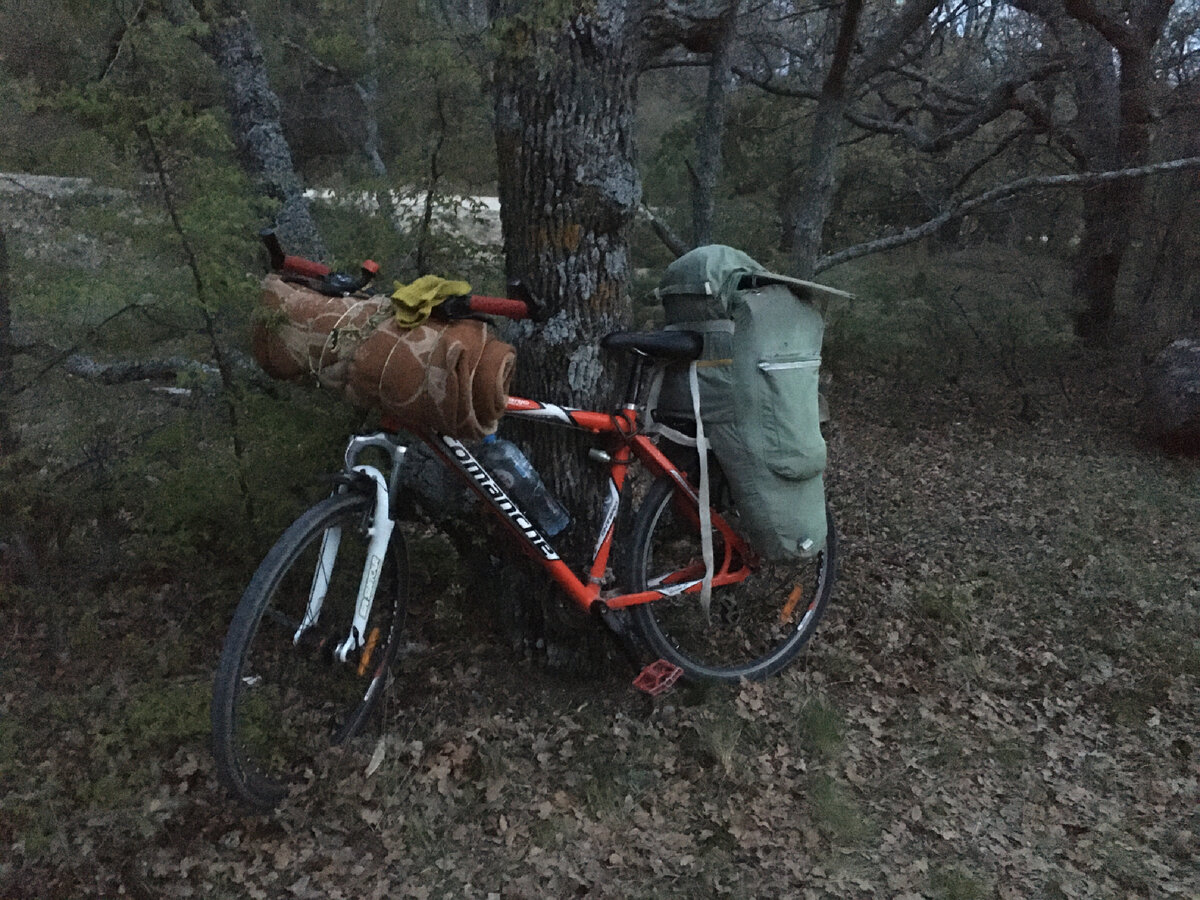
[{"x": 311, "y": 644}]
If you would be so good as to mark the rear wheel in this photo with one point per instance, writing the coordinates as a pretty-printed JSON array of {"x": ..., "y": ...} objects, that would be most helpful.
[
  {"x": 278, "y": 702},
  {"x": 753, "y": 628}
]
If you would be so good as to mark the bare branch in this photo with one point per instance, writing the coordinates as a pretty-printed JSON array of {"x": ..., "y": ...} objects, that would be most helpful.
[
  {"x": 1012, "y": 94},
  {"x": 74, "y": 348},
  {"x": 315, "y": 60},
  {"x": 220, "y": 357},
  {"x": 24, "y": 187},
  {"x": 772, "y": 86},
  {"x": 995, "y": 152},
  {"x": 926, "y": 81},
  {"x": 907, "y": 20},
  {"x": 916, "y": 232},
  {"x": 666, "y": 234},
  {"x": 1113, "y": 29},
  {"x": 118, "y": 41}
]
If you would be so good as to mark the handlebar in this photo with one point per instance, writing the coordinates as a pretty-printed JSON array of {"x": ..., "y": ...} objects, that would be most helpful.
[
  {"x": 315, "y": 275},
  {"x": 298, "y": 265},
  {"x": 477, "y": 304},
  {"x": 320, "y": 277}
]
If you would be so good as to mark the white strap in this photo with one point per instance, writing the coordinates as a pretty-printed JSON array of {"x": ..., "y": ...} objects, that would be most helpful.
[
  {"x": 700, "y": 442},
  {"x": 705, "y": 512}
]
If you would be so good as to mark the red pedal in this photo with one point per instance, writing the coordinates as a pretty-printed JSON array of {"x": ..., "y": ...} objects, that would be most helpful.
[{"x": 657, "y": 677}]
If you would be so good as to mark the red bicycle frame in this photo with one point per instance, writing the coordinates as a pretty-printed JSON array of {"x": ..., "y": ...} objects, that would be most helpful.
[{"x": 625, "y": 443}]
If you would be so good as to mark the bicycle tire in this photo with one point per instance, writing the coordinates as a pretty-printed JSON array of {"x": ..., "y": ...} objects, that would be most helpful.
[
  {"x": 745, "y": 634},
  {"x": 277, "y": 704}
]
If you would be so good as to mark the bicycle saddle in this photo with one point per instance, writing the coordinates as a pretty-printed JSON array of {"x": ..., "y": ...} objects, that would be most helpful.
[{"x": 659, "y": 344}]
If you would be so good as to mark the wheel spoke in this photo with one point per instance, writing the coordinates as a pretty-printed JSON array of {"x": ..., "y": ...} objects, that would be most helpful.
[{"x": 750, "y": 629}]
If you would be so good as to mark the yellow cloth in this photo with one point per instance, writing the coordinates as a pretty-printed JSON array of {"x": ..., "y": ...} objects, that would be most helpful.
[{"x": 412, "y": 303}]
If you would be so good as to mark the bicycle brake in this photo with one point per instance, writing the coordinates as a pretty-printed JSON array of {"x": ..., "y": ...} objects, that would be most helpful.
[{"x": 358, "y": 482}]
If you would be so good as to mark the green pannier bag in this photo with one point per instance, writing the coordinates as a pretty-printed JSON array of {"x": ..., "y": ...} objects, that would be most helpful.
[{"x": 758, "y": 390}]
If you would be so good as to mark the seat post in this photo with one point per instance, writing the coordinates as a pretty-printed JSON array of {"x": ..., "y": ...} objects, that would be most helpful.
[{"x": 634, "y": 387}]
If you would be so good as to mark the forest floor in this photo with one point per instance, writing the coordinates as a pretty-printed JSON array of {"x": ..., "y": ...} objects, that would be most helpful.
[{"x": 1002, "y": 702}]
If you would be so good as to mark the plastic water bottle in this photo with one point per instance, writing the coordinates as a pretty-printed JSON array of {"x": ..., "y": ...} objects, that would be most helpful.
[{"x": 517, "y": 477}]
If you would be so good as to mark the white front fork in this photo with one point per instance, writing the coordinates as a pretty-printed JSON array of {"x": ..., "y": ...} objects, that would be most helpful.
[{"x": 380, "y": 534}]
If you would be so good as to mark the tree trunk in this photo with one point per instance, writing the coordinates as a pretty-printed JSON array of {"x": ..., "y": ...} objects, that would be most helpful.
[
  {"x": 568, "y": 193},
  {"x": 1110, "y": 211},
  {"x": 812, "y": 204},
  {"x": 712, "y": 130},
  {"x": 368, "y": 91},
  {"x": 564, "y": 101},
  {"x": 253, "y": 106},
  {"x": 8, "y": 437}
]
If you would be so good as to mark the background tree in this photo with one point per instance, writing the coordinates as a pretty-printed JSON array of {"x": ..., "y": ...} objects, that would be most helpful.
[
  {"x": 1115, "y": 99},
  {"x": 707, "y": 169},
  {"x": 231, "y": 39}
]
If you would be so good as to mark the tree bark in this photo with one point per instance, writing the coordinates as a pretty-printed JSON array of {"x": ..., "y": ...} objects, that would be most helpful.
[
  {"x": 564, "y": 101},
  {"x": 1105, "y": 234},
  {"x": 8, "y": 437},
  {"x": 565, "y": 89},
  {"x": 564, "y": 97},
  {"x": 254, "y": 109},
  {"x": 811, "y": 205},
  {"x": 1099, "y": 263},
  {"x": 368, "y": 90},
  {"x": 712, "y": 130},
  {"x": 1115, "y": 114}
]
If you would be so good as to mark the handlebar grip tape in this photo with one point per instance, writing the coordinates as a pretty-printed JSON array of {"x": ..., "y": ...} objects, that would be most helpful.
[
  {"x": 298, "y": 265},
  {"x": 499, "y": 306}
]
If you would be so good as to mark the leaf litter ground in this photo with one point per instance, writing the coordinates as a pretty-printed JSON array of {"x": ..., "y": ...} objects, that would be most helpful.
[{"x": 1001, "y": 703}]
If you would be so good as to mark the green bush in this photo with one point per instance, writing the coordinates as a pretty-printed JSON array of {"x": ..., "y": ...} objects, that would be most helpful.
[{"x": 977, "y": 317}]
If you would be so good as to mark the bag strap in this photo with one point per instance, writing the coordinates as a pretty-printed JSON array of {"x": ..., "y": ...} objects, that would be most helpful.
[
  {"x": 705, "y": 510},
  {"x": 701, "y": 443}
]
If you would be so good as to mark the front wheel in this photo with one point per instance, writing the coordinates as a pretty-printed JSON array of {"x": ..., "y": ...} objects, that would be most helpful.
[
  {"x": 281, "y": 695},
  {"x": 753, "y": 628}
]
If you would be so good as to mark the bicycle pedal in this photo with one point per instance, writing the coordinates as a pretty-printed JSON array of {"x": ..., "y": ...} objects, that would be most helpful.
[{"x": 657, "y": 677}]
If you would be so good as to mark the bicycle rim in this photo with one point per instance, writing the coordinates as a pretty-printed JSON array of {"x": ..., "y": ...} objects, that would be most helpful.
[
  {"x": 279, "y": 702},
  {"x": 752, "y": 629}
]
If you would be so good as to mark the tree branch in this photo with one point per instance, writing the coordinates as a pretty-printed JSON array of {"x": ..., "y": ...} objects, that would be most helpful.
[
  {"x": 666, "y": 234},
  {"x": 219, "y": 356},
  {"x": 1008, "y": 96},
  {"x": 835, "y": 80},
  {"x": 74, "y": 348},
  {"x": 899, "y": 29},
  {"x": 930, "y": 84},
  {"x": 771, "y": 86},
  {"x": 1111, "y": 28},
  {"x": 1001, "y": 192},
  {"x": 316, "y": 61},
  {"x": 995, "y": 152},
  {"x": 117, "y": 44}
]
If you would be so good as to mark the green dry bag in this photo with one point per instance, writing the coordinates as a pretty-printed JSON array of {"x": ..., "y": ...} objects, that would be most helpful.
[{"x": 758, "y": 390}]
